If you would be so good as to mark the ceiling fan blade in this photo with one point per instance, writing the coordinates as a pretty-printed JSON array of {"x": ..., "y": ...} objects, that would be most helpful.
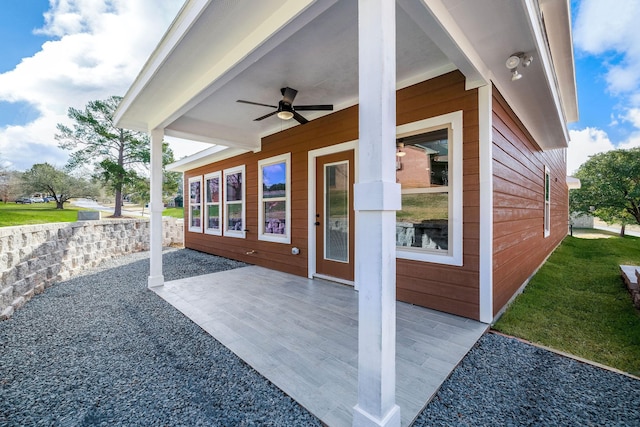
[
  {"x": 256, "y": 103},
  {"x": 299, "y": 118},
  {"x": 265, "y": 116},
  {"x": 325, "y": 107},
  {"x": 288, "y": 94}
]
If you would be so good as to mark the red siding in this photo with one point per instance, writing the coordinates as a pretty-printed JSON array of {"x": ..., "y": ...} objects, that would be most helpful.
[
  {"x": 519, "y": 245},
  {"x": 446, "y": 288}
]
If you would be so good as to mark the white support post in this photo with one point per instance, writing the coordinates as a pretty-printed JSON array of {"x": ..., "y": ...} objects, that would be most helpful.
[
  {"x": 155, "y": 208},
  {"x": 377, "y": 197}
]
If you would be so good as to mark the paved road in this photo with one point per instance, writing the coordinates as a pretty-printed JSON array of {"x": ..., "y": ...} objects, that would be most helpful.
[{"x": 91, "y": 204}]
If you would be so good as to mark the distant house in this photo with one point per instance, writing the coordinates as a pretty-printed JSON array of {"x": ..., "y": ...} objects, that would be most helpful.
[{"x": 467, "y": 130}]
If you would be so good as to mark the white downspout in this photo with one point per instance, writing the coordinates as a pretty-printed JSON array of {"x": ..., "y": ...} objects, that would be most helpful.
[
  {"x": 155, "y": 209},
  {"x": 377, "y": 197}
]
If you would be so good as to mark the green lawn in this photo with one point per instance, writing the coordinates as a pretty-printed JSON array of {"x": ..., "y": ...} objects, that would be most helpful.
[
  {"x": 174, "y": 212},
  {"x": 578, "y": 303},
  {"x": 36, "y": 213}
]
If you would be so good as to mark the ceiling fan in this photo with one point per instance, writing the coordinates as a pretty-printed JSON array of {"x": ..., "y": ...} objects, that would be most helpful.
[{"x": 285, "y": 108}]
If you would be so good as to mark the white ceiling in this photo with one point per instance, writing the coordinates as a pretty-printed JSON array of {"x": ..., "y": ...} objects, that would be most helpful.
[{"x": 188, "y": 89}]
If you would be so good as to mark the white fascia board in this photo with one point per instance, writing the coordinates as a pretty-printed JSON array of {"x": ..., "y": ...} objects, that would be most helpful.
[
  {"x": 445, "y": 32},
  {"x": 184, "y": 20},
  {"x": 273, "y": 30},
  {"x": 531, "y": 10},
  {"x": 557, "y": 18},
  {"x": 204, "y": 157}
]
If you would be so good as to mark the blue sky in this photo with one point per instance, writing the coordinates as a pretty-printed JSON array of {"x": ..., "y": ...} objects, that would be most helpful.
[{"x": 62, "y": 53}]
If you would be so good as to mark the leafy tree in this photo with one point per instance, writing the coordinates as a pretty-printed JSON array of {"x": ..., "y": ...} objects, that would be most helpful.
[
  {"x": 44, "y": 178},
  {"x": 610, "y": 187},
  {"x": 10, "y": 185},
  {"x": 120, "y": 157}
]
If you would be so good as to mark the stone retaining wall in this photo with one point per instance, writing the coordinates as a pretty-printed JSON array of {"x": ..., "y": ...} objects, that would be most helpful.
[{"x": 34, "y": 257}]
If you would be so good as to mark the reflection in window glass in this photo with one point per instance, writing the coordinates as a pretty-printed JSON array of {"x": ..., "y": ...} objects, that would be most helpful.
[
  {"x": 274, "y": 204},
  {"x": 212, "y": 202},
  {"x": 234, "y": 217},
  {"x": 195, "y": 205},
  {"x": 422, "y": 169},
  {"x": 274, "y": 217},
  {"x": 234, "y": 187},
  {"x": 336, "y": 226}
]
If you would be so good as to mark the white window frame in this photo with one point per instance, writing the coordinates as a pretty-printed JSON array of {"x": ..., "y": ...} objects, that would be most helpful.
[
  {"x": 205, "y": 211},
  {"x": 192, "y": 228},
  {"x": 453, "y": 256},
  {"x": 547, "y": 201},
  {"x": 241, "y": 234},
  {"x": 262, "y": 235}
]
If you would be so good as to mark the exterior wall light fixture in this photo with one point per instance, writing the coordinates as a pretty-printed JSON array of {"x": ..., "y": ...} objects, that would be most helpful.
[{"x": 514, "y": 61}]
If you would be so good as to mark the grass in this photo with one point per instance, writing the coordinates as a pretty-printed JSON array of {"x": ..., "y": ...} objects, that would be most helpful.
[
  {"x": 12, "y": 214},
  {"x": 174, "y": 212},
  {"x": 578, "y": 303}
]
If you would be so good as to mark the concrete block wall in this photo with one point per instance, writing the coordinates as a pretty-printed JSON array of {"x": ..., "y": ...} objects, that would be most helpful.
[{"x": 34, "y": 257}]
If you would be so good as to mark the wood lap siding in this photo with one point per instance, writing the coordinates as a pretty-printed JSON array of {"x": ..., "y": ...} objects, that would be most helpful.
[
  {"x": 519, "y": 245},
  {"x": 442, "y": 287},
  {"x": 328, "y": 130}
]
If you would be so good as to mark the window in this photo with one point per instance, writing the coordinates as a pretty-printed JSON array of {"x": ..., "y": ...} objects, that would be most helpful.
[
  {"x": 274, "y": 199},
  {"x": 234, "y": 193},
  {"x": 195, "y": 204},
  {"x": 429, "y": 170},
  {"x": 547, "y": 202},
  {"x": 212, "y": 201}
]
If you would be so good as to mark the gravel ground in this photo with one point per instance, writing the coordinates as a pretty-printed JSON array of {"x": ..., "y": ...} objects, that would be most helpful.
[
  {"x": 100, "y": 349},
  {"x": 505, "y": 382}
]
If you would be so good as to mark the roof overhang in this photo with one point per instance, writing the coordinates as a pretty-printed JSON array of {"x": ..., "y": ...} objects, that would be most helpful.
[{"x": 217, "y": 52}]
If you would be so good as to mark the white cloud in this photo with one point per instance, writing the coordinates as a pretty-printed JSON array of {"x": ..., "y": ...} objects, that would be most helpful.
[
  {"x": 610, "y": 29},
  {"x": 585, "y": 143},
  {"x": 589, "y": 141},
  {"x": 100, "y": 47}
]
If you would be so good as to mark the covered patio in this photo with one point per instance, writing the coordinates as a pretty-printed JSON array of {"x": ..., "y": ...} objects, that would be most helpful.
[{"x": 302, "y": 335}]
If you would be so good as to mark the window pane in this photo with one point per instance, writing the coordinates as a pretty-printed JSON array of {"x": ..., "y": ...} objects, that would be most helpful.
[
  {"x": 213, "y": 190},
  {"x": 422, "y": 161},
  {"x": 275, "y": 217},
  {"x": 274, "y": 180},
  {"x": 423, "y": 221},
  {"x": 234, "y": 187},
  {"x": 195, "y": 215},
  {"x": 234, "y": 217},
  {"x": 336, "y": 224},
  {"x": 213, "y": 217},
  {"x": 194, "y": 189}
]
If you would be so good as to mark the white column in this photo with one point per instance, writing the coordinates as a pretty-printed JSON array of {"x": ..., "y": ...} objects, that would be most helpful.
[
  {"x": 485, "y": 113},
  {"x": 155, "y": 208},
  {"x": 377, "y": 197}
]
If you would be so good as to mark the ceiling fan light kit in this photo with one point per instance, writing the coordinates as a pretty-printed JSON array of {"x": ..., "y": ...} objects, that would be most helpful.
[{"x": 286, "y": 110}]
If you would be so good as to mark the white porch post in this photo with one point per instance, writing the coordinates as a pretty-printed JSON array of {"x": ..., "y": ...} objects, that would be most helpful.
[
  {"x": 155, "y": 208},
  {"x": 377, "y": 197}
]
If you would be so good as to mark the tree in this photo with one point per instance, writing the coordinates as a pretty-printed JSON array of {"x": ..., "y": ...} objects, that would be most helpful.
[
  {"x": 610, "y": 187},
  {"x": 44, "y": 178},
  {"x": 10, "y": 184},
  {"x": 118, "y": 155}
]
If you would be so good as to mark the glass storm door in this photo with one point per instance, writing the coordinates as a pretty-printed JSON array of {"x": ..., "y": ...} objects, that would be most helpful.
[{"x": 334, "y": 219}]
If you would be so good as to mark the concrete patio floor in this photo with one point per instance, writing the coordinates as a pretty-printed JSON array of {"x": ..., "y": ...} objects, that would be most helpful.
[{"x": 302, "y": 335}]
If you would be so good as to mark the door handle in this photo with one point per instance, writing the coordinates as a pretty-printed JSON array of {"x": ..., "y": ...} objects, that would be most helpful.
[{"x": 316, "y": 223}]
